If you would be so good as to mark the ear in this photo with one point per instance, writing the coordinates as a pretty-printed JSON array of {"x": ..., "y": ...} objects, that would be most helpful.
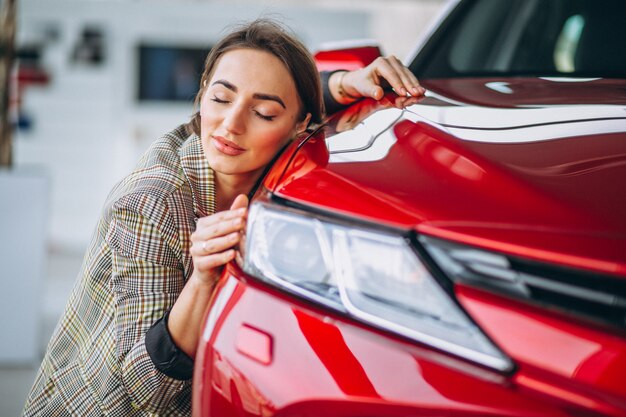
[{"x": 301, "y": 126}]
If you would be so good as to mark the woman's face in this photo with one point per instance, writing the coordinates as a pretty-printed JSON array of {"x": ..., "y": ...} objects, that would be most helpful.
[{"x": 249, "y": 110}]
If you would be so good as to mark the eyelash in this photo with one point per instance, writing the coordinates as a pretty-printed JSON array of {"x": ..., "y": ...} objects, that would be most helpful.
[{"x": 262, "y": 116}]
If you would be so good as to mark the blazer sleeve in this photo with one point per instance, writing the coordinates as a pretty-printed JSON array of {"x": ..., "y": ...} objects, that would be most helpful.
[
  {"x": 330, "y": 104},
  {"x": 147, "y": 278}
]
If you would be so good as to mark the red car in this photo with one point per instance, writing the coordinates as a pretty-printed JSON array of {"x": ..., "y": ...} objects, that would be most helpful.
[{"x": 464, "y": 256}]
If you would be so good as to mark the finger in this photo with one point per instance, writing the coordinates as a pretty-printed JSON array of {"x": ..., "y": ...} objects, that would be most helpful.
[
  {"x": 240, "y": 202},
  {"x": 377, "y": 92},
  {"x": 412, "y": 100},
  {"x": 416, "y": 88},
  {"x": 238, "y": 209},
  {"x": 219, "y": 229},
  {"x": 221, "y": 216},
  {"x": 400, "y": 77},
  {"x": 215, "y": 245},
  {"x": 385, "y": 70},
  {"x": 403, "y": 75},
  {"x": 239, "y": 258},
  {"x": 402, "y": 102},
  {"x": 207, "y": 263},
  {"x": 408, "y": 80}
]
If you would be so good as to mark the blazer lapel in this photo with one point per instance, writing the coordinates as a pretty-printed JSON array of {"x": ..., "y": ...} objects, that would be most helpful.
[
  {"x": 200, "y": 179},
  {"x": 200, "y": 176}
]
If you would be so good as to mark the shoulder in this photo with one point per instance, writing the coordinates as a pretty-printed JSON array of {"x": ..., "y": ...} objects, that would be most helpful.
[
  {"x": 158, "y": 188},
  {"x": 164, "y": 152},
  {"x": 159, "y": 171},
  {"x": 157, "y": 198},
  {"x": 137, "y": 218}
]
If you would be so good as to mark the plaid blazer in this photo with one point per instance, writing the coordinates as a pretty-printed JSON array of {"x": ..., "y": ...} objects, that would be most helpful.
[{"x": 136, "y": 266}]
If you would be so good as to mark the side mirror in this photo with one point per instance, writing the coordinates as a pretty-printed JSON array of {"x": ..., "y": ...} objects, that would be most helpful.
[{"x": 346, "y": 56}]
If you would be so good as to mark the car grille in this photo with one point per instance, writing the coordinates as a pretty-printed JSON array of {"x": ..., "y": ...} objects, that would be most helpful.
[{"x": 596, "y": 297}]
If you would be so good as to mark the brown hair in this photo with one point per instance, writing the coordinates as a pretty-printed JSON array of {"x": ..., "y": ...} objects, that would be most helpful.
[{"x": 267, "y": 35}]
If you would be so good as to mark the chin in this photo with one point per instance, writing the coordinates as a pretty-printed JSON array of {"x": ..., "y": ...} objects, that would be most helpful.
[{"x": 223, "y": 167}]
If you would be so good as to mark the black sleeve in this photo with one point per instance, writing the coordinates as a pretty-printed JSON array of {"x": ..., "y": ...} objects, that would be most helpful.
[
  {"x": 167, "y": 357},
  {"x": 331, "y": 105}
]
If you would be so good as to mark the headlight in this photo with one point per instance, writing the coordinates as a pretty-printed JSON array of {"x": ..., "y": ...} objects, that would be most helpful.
[{"x": 374, "y": 276}]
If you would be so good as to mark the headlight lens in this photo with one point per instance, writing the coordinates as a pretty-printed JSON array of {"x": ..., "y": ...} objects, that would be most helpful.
[{"x": 374, "y": 276}]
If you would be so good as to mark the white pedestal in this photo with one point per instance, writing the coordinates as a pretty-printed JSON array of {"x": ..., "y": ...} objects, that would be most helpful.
[{"x": 24, "y": 202}]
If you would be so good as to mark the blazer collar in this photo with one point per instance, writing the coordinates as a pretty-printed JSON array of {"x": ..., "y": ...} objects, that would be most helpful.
[{"x": 200, "y": 176}]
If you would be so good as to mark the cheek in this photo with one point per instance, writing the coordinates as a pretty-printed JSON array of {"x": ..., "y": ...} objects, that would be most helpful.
[
  {"x": 275, "y": 138},
  {"x": 206, "y": 109},
  {"x": 209, "y": 120}
]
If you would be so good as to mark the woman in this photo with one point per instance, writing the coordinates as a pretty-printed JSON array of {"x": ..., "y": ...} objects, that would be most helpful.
[{"x": 126, "y": 342}]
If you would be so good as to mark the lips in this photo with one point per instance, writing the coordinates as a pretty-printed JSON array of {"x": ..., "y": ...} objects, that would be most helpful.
[{"x": 226, "y": 147}]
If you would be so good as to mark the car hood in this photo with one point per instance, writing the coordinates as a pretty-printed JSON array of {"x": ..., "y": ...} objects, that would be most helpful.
[{"x": 508, "y": 165}]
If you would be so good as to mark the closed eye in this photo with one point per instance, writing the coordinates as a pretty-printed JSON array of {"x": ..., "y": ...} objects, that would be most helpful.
[
  {"x": 217, "y": 100},
  {"x": 261, "y": 115},
  {"x": 264, "y": 117}
]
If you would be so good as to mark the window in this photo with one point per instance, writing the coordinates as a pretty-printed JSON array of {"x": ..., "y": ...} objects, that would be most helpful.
[
  {"x": 530, "y": 37},
  {"x": 169, "y": 73}
]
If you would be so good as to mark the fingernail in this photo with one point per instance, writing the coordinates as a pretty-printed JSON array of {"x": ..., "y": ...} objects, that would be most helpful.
[
  {"x": 237, "y": 222},
  {"x": 415, "y": 90},
  {"x": 241, "y": 210},
  {"x": 403, "y": 91}
]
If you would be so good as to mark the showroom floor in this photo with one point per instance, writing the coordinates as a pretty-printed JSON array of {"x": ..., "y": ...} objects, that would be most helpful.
[{"x": 15, "y": 381}]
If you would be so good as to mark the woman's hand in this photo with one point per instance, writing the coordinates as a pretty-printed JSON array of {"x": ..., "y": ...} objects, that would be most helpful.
[
  {"x": 370, "y": 81},
  {"x": 215, "y": 240}
]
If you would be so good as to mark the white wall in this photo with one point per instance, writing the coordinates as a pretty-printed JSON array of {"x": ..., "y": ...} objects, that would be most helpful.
[{"x": 88, "y": 127}]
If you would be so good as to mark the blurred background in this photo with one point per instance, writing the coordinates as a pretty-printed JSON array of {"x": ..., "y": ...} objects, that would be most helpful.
[{"x": 93, "y": 83}]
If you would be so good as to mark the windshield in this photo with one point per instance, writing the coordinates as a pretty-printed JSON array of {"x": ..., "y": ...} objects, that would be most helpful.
[{"x": 574, "y": 38}]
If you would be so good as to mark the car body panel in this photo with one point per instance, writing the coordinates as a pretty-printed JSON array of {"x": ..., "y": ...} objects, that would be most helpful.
[
  {"x": 515, "y": 203},
  {"x": 348, "y": 57},
  {"x": 418, "y": 169},
  {"x": 334, "y": 368},
  {"x": 532, "y": 92},
  {"x": 580, "y": 358}
]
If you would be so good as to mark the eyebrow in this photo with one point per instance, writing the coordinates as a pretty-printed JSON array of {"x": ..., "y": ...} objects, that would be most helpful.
[{"x": 259, "y": 96}]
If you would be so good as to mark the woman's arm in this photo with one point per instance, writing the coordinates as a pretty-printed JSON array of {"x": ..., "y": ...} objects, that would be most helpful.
[
  {"x": 213, "y": 246},
  {"x": 342, "y": 88}
]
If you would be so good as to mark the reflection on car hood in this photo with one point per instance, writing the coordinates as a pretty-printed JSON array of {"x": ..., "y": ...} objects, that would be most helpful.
[{"x": 538, "y": 178}]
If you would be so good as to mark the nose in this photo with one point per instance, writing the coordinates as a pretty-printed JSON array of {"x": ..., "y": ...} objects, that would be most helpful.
[{"x": 234, "y": 120}]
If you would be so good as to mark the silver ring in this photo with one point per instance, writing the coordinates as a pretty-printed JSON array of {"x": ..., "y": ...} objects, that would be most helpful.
[{"x": 204, "y": 246}]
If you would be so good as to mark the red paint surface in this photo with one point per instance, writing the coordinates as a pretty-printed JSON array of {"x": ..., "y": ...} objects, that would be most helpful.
[
  {"x": 554, "y": 200},
  {"x": 325, "y": 364},
  {"x": 254, "y": 343},
  {"x": 555, "y": 354},
  {"x": 530, "y": 91},
  {"x": 347, "y": 59}
]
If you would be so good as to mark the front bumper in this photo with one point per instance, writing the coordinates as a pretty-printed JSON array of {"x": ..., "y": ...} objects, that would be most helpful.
[{"x": 265, "y": 353}]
